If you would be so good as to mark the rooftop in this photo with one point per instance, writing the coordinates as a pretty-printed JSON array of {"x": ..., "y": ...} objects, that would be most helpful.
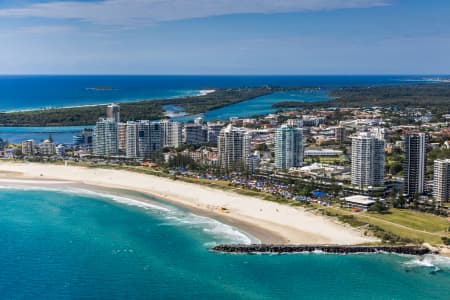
[{"x": 359, "y": 199}]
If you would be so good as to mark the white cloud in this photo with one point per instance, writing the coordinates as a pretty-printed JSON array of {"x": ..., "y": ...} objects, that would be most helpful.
[{"x": 126, "y": 12}]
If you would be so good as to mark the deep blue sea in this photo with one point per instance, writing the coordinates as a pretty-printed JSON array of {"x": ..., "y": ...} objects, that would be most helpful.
[
  {"x": 30, "y": 92},
  {"x": 33, "y": 92},
  {"x": 77, "y": 245}
]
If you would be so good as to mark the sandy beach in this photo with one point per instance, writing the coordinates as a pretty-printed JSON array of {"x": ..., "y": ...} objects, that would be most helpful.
[{"x": 268, "y": 221}]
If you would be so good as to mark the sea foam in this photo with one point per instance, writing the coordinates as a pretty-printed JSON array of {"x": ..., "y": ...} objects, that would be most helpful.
[{"x": 436, "y": 262}]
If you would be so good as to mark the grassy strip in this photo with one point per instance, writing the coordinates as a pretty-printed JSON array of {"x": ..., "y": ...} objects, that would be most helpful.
[{"x": 395, "y": 227}]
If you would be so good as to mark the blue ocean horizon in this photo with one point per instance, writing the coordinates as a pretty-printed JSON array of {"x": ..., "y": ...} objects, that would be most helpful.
[
  {"x": 23, "y": 92},
  {"x": 85, "y": 245}
]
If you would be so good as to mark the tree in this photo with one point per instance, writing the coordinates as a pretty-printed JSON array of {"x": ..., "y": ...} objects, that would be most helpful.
[{"x": 379, "y": 207}]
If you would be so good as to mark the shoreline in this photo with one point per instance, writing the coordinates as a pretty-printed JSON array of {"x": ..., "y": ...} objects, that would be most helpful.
[
  {"x": 246, "y": 228},
  {"x": 268, "y": 221},
  {"x": 199, "y": 92}
]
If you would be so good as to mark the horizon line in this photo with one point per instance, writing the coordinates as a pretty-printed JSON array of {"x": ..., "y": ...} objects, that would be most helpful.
[{"x": 218, "y": 74}]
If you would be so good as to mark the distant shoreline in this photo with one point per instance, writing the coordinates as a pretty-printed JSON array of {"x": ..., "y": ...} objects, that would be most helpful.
[
  {"x": 199, "y": 93},
  {"x": 205, "y": 100}
]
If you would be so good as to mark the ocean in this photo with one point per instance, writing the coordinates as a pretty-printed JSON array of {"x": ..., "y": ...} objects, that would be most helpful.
[
  {"x": 34, "y": 92},
  {"x": 77, "y": 245}
]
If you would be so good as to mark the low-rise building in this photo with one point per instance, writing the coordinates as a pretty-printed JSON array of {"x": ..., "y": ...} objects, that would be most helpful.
[
  {"x": 358, "y": 202},
  {"x": 28, "y": 148}
]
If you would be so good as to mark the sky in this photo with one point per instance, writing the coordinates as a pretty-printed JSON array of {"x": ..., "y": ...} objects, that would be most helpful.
[{"x": 311, "y": 37}]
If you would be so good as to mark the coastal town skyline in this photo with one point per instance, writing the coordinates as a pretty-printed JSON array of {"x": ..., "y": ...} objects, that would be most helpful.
[{"x": 224, "y": 149}]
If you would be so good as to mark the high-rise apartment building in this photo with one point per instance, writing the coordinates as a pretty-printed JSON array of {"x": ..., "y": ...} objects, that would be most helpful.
[
  {"x": 340, "y": 134},
  {"x": 288, "y": 147},
  {"x": 131, "y": 141},
  {"x": 171, "y": 134},
  {"x": 113, "y": 112},
  {"x": 143, "y": 139},
  {"x": 441, "y": 180},
  {"x": 122, "y": 137},
  {"x": 194, "y": 134},
  {"x": 234, "y": 147},
  {"x": 367, "y": 160},
  {"x": 414, "y": 169},
  {"x": 105, "y": 137},
  {"x": 214, "y": 131}
]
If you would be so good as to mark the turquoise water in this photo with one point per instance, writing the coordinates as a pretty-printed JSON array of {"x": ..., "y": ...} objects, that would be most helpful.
[
  {"x": 259, "y": 106},
  {"x": 59, "y": 245},
  {"x": 62, "y": 134}
]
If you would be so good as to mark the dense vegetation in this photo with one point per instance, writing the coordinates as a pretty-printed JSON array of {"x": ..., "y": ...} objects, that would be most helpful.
[
  {"x": 435, "y": 97},
  {"x": 143, "y": 110}
]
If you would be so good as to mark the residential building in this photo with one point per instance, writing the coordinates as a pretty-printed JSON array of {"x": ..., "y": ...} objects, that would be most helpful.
[
  {"x": 60, "y": 150},
  {"x": 171, "y": 134},
  {"x": 288, "y": 147},
  {"x": 414, "y": 169},
  {"x": 214, "y": 131},
  {"x": 113, "y": 112},
  {"x": 367, "y": 160},
  {"x": 122, "y": 137},
  {"x": 340, "y": 134},
  {"x": 131, "y": 142},
  {"x": 47, "y": 148},
  {"x": 194, "y": 134},
  {"x": 378, "y": 132},
  {"x": 441, "y": 180},
  {"x": 143, "y": 139},
  {"x": 295, "y": 123},
  {"x": 234, "y": 147},
  {"x": 28, "y": 148},
  {"x": 84, "y": 138},
  {"x": 252, "y": 162},
  {"x": 105, "y": 137},
  {"x": 313, "y": 120}
]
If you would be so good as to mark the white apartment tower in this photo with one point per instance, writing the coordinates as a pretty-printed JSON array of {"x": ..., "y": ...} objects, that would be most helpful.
[
  {"x": 105, "y": 137},
  {"x": 131, "y": 141},
  {"x": 171, "y": 134},
  {"x": 367, "y": 160},
  {"x": 441, "y": 180},
  {"x": 234, "y": 147},
  {"x": 288, "y": 147},
  {"x": 142, "y": 139}
]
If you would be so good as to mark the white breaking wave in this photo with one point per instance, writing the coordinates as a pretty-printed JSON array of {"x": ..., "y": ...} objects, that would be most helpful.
[
  {"x": 222, "y": 233},
  {"x": 430, "y": 261}
]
